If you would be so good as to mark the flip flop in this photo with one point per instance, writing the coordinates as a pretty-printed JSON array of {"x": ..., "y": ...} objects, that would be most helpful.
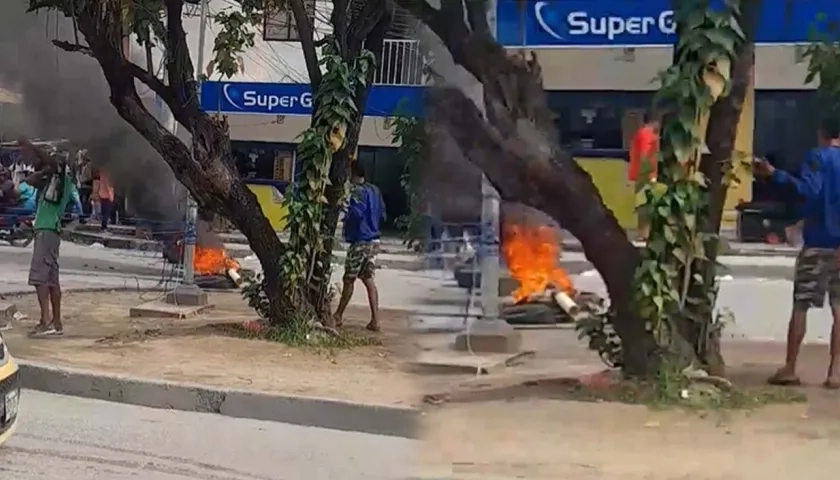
[
  {"x": 780, "y": 381},
  {"x": 373, "y": 328},
  {"x": 831, "y": 385}
]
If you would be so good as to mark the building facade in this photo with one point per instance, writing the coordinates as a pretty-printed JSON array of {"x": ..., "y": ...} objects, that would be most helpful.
[{"x": 600, "y": 60}]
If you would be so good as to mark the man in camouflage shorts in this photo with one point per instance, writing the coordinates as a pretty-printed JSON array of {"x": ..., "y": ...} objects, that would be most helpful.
[
  {"x": 360, "y": 262},
  {"x": 817, "y": 271},
  {"x": 365, "y": 211}
]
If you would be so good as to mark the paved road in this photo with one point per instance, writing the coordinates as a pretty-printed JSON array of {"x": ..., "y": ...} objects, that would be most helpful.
[{"x": 61, "y": 438}]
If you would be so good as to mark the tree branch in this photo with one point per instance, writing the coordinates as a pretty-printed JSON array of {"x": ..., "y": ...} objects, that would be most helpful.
[
  {"x": 369, "y": 17},
  {"x": 73, "y": 47},
  {"x": 306, "y": 32},
  {"x": 179, "y": 67}
]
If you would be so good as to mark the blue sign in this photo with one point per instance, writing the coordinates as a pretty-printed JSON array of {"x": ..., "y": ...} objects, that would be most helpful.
[
  {"x": 296, "y": 99},
  {"x": 636, "y": 23}
]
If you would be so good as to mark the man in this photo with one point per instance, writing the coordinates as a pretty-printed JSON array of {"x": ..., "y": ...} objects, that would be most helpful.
[
  {"x": 644, "y": 152},
  {"x": 85, "y": 180},
  {"x": 55, "y": 189},
  {"x": 817, "y": 271},
  {"x": 9, "y": 194},
  {"x": 365, "y": 211},
  {"x": 106, "y": 198}
]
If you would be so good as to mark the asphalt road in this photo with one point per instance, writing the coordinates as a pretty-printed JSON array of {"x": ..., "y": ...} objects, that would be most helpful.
[{"x": 61, "y": 438}]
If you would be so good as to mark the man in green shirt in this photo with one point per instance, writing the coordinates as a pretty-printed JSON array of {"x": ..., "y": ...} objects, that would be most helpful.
[{"x": 55, "y": 189}]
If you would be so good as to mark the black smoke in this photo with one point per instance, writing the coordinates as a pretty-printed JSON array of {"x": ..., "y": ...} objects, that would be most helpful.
[{"x": 65, "y": 95}]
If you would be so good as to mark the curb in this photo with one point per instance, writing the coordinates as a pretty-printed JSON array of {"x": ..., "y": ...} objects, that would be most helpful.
[{"x": 304, "y": 411}]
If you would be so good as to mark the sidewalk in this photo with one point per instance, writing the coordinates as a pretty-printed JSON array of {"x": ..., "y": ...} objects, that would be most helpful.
[
  {"x": 744, "y": 260},
  {"x": 528, "y": 430}
]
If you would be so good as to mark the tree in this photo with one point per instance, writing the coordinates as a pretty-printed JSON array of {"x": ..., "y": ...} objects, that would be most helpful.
[
  {"x": 205, "y": 167},
  {"x": 514, "y": 144}
]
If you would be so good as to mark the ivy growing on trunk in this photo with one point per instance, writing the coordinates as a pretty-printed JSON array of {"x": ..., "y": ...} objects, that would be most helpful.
[
  {"x": 670, "y": 276},
  {"x": 336, "y": 113}
]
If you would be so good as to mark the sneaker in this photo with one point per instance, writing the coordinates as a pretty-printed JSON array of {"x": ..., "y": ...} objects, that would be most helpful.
[{"x": 42, "y": 331}]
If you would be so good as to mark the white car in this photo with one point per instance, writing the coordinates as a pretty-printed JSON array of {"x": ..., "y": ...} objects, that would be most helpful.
[{"x": 9, "y": 392}]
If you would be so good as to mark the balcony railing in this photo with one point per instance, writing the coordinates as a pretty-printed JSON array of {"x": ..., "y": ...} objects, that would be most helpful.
[{"x": 402, "y": 64}]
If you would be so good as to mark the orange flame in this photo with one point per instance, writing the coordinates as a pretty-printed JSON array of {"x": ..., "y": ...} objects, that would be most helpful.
[
  {"x": 532, "y": 253},
  {"x": 213, "y": 261}
]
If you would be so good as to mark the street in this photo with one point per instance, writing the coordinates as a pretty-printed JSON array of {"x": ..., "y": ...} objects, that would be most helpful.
[
  {"x": 60, "y": 438},
  {"x": 760, "y": 302}
]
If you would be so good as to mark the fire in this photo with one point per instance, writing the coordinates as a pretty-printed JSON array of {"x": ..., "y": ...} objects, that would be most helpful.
[
  {"x": 213, "y": 261},
  {"x": 532, "y": 253}
]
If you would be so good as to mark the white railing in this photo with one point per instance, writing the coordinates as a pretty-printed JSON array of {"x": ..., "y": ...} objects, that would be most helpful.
[{"x": 402, "y": 64}]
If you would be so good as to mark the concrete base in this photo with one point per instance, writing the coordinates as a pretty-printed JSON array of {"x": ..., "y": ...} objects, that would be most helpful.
[
  {"x": 449, "y": 361},
  {"x": 166, "y": 310},
  {"x": 187, "y": 295},
  {"x": 489, "y": 336}
]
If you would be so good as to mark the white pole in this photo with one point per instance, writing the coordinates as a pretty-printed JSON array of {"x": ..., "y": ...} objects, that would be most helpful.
[
  {"x": 490, "y": 269},
  {"x": 490, "y": 206},
  {"x": 190, "y": 236}
]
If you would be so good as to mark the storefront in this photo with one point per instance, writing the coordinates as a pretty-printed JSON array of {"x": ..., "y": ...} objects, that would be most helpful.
[
  {"x": 600, "y": 59},
  {"x": 269, "y": 165}
]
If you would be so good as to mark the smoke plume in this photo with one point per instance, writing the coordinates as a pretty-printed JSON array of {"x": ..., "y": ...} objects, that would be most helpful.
[{"x": 65, "y": 95}]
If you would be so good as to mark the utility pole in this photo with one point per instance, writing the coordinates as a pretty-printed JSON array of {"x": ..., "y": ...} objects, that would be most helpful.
[
  {"x": 188, "y": 293},
  {"x": 490, "y": 334}
]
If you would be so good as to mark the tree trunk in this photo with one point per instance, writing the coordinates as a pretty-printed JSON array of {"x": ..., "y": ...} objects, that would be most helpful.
[
  {"x": 516, "y": 146},
  {"x": 724, "y": 117},
  {"x": 531, "y": 171}
]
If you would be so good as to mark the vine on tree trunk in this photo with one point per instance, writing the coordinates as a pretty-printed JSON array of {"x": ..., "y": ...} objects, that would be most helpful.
[
  {"x": 411, "y": 139},
  {"x": 824, "y": 66},
  {"x": 675, "y": 201},
  {"x": 335, "y": 111}
]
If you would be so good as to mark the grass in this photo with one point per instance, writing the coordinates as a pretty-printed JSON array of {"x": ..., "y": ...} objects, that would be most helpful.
[
  {"x": 677, "y": 391},
  {"x": 299, "y": 333}
]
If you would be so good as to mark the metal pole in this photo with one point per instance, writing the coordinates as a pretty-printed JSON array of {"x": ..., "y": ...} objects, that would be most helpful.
[
  {"x": 490, "y": 200},
  {"x": 490, "y": 268},
  {"x": 190, "y": 236}
]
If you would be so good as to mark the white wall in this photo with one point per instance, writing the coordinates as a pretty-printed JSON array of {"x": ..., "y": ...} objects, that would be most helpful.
[
  {"x": 776, "y": 67},
  {"x": 266, "y": 61}
]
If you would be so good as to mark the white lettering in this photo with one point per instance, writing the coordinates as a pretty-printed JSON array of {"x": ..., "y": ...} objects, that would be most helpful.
[
  {"x": 270, "y": 102},
  {"x": 666, "y": 22},
  {"x": 580, "y": 23}
]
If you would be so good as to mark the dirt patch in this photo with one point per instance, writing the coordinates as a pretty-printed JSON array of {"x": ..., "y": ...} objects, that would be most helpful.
[
  {"x": 530, "y": 430},
  {"x": 101, "y": 336},
  {"x": 546, "y": 439}
]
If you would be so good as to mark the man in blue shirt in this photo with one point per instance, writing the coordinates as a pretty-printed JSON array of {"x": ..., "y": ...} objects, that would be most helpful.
[
  {"x": 817, "y": 271},
  {"x": 365, "y": 211}
]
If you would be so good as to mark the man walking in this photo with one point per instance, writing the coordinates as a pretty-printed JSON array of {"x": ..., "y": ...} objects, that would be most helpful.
[
  {"x": 361, "y": 230},
  {"x": 55, "y": 189},
  {"x": 644, "y": 160},
  {"x": 817, "y": 271}
]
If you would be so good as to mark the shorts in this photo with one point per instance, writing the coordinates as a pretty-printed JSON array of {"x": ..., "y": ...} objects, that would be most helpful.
[
  {"x": 44, "y": 267},
  {"x": 360, "y": 261},
  {"x": 816, "y": 274}
]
